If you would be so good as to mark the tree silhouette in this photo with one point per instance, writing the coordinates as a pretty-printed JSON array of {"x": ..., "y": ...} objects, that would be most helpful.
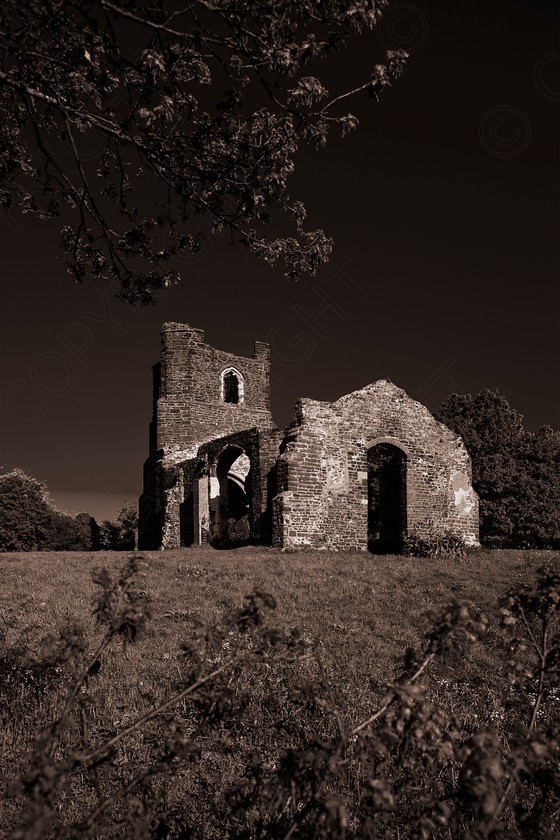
[
  {"x": 142, "y": 125},
  {"x": 515, "y": 472}
]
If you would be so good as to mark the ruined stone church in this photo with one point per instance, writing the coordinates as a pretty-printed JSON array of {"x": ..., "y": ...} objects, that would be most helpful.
[{"x": 362, "y": 472}]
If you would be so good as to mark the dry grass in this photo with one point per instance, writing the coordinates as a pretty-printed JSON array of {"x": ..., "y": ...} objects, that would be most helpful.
[{"x": 358, "y": 614}]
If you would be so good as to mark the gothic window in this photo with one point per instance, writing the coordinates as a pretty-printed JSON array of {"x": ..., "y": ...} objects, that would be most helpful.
[{"x": 232, "y": 386}]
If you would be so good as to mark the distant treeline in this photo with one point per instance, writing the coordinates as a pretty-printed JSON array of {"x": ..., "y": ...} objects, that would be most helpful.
[
  {"x": 516, "y": 473},
  {"x": 29, "y": 521}
]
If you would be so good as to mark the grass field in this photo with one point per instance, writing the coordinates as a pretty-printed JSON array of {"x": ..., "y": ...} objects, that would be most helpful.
[{"x": 357, "y": 615}]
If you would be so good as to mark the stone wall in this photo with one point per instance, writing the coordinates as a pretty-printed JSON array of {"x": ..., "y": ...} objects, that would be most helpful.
[
  {"x": 323, "y": 470},
  {"x": 261, "y": 447},
  {"x": 308, "y": 485},
  {"x": 189, "y": 410}
]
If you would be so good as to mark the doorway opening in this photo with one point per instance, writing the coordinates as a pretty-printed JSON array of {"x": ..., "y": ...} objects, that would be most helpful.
[
  {"x": 231, "y": 525},
  {"x": 386, "y": 498}
]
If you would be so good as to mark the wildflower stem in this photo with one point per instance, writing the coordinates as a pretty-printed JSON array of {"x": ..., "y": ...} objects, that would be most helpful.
[
  {"x": 176, "y": 698},
  {"x": 92, "y": 819},
  {"x": 389, "y": 697},
  {"x": 77, "y": 685},
  {"x": 542, "y": 671}
]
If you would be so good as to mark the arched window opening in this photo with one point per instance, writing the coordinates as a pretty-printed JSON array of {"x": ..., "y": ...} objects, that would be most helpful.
[
  {"x": 386, "y": 498},
  {"x": 231, "y": 510},
  {"x": 231, "y": 387}
]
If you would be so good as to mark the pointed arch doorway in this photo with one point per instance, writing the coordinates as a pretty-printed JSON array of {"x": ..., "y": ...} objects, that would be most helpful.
[{"x": 230, "y": 508}]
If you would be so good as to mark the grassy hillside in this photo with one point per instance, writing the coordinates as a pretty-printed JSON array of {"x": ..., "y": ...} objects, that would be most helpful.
[{"x": 356, "y": 614}]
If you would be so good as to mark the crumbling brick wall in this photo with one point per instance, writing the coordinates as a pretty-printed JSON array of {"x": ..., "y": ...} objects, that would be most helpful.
[
  {"x": 323, "y": 470},
  {"x": 307, "y": 486},
  {"x": 189, "y": 409},
  {"x": 261, "y": 447}
]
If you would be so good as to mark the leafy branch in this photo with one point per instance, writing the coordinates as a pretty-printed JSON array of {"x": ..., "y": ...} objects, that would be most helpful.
[{"x": 174, "y": 147}]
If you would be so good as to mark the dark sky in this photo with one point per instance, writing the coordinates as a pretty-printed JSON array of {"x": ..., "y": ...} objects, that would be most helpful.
[{"x": 444, "y": 206}]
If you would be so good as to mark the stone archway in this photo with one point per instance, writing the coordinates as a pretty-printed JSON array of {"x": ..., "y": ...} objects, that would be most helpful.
[
  {"x": 386, "y": 498},
  {"x": 230, "y": 506}
]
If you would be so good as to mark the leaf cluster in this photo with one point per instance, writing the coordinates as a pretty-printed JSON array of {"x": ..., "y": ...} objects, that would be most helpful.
[
  {"x": 516, "y": 473},
  {"x": 434, "y": 545},
  {"x": 144, "y": 126},
  {"x": 30, "y": 521}
]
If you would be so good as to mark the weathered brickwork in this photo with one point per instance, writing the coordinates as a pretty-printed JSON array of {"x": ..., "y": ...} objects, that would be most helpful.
[
  {"x": 190, "y": 409},
  {"x": 323, "y": 496},
  {"x": 219, "y": 470}
]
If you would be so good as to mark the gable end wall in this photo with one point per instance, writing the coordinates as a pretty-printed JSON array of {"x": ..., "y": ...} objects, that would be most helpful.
[{"x": 323, "y": 498}]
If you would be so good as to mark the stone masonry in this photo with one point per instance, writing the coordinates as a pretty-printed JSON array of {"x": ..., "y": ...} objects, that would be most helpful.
[
  {"x": 220, "y": 471},
  {"x": 190, "y": 410}
]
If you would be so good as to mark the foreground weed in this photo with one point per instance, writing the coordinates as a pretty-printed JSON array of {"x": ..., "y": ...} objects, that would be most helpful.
[
  {"x": 62, "y": 753},
  {"x": 254, "y": 740}
]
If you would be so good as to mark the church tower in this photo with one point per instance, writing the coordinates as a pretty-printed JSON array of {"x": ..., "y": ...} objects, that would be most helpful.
[{"x": 200, "y": 394}]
